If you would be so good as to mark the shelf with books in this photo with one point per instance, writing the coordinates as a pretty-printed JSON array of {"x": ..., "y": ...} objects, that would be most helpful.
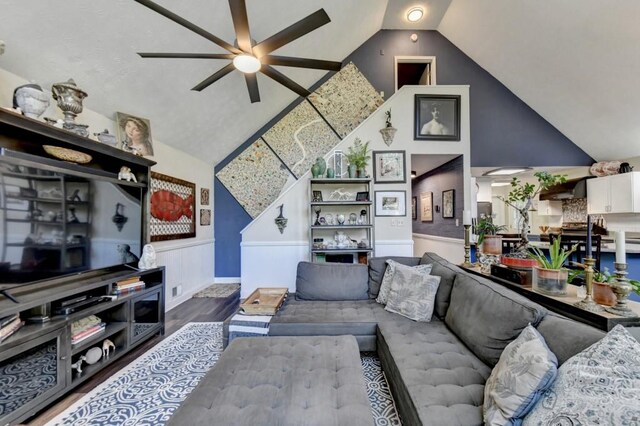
[{"x": 106, "y": 333}]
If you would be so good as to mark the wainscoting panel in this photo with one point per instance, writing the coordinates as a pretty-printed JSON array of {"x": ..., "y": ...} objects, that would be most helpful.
[
  {"x": 271, "y": 264},
  {"x": 189, "y": 267},
  {"x": 394, "y": 248},
  {"x": 451, "y": 249}
]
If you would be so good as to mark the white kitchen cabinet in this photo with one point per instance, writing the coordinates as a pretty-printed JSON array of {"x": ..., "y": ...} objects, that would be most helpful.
[
  {"x": 549, "y": 208},
  {"x": 614, "y": 194}
]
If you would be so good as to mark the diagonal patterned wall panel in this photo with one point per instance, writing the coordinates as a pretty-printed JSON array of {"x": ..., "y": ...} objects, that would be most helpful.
[
  {"x": 255, "y": 177},
  {"x": 346, "y": 99},
  {"x": 300, "y": 137}
]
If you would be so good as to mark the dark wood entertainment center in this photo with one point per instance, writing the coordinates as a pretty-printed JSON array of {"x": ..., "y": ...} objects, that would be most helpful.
[{"x": 36, "y": 361}]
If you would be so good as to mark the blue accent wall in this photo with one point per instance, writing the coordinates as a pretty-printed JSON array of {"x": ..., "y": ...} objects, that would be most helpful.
[
  {"x": 448, "y": 176},
  {"x": 504, "y": 130}
]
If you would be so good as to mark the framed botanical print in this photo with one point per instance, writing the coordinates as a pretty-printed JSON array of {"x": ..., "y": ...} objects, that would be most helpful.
[
  {"x": 448, "y": 203},
  {"x": 426, "y": 206},
  {"x": 391, "y": 203},
  {"x": 437, "y": 118},
  {"x": 389, "y": 167}
]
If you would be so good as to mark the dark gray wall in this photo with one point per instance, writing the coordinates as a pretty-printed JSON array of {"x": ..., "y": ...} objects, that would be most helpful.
[
  {"x": 448, "y": 176},
  {"x": 504, "y": 130}
]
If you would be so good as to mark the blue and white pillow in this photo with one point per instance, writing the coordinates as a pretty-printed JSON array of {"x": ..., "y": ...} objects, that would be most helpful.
[
  {"x": 598, "y": 386},
  {"x": 385, "y": 285},
  {"x": 525, "y": 370}
]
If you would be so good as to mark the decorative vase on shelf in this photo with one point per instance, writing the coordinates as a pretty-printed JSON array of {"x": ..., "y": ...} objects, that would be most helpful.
[
  {"x": 69, "y": 97},
  {"x": 360, "y": 173},
  {"x": 315, "y": 170},
  {"x": 322, "y": 166},
  {"x": 352, "y": 171},
  {"x": 331, "y": 173},
  {"x": 31, "y": 99},
  {"x": 550, "y": 281}
]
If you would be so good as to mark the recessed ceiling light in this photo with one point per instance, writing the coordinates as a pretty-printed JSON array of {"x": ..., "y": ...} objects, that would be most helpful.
[
  {"x": 415, "y": 14},
  {"x": 500, "y": 183},
  {"x": 505, "y": 171},
  {"x": 247, "y": 63}
]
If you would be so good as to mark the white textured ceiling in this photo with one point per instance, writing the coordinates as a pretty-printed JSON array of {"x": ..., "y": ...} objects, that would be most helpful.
[
  {"x": 576, "y": 62},
  {"x": 96, "y": 41}
]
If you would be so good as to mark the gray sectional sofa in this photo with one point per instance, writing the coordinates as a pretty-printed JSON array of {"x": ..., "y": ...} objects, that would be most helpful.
[{"x": 436, "y": 370}]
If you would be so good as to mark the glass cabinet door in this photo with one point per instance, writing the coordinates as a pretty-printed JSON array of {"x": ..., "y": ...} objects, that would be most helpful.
[
  {"x": 145, "y": 315},
  {"x": 30, "y": 373}
]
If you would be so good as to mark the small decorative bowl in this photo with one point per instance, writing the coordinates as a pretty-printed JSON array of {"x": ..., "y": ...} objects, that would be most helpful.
[{"x": 67, "y": 154}]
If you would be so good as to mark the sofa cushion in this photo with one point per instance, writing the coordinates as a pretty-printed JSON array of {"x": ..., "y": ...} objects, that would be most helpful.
[
  {"x": 600, "y": 385},
  {"x": 447, "y": 271},
  {"x": 313, "y": 381},
  {"x": 487, "y": 317},
  {"x": 377, "y": 267},
  {"x": 434, "y": 377},
  {"x": 389, "y": 273},
  {"x": 412, "y": 293},
  {"x": 566, "y": 337},
  {"x": 331, "y": 281},
  {"x": 526, "y": 369}
]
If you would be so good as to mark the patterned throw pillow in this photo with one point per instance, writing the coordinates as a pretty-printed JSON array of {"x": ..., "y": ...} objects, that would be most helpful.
[
  {"x": 525, "y": 370},
  {"x": 412, "y": 293},
  {"x": 598, "y": 386},
  {"x": 385, "y": 285}
]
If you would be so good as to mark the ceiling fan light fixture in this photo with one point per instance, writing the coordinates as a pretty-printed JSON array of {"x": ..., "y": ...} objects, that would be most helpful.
[
  {"x": 247, "y": 64},
  {"x": 415, "y": 14}
]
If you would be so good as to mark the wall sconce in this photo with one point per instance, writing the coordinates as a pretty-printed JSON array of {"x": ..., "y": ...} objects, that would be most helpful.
[{"x": 413, "y": 174}]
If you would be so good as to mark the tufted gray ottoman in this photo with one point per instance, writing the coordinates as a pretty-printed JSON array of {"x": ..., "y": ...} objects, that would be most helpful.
[{"x": 315, "y": 380}]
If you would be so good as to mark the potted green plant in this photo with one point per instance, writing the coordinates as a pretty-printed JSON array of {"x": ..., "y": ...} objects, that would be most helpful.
[
  {"x": 550, "y": 276},
  {"x": 487, "y": 232},
  {"x": 602, "y": 292},
  {"x": 358, "y": 157},
  {"x": 521, "y": 198}
]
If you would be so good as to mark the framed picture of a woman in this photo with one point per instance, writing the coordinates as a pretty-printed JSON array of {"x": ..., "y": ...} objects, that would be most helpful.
[{"x": 134, "y": 134}]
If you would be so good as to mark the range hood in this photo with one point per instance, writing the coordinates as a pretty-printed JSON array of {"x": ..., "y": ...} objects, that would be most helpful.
[{"x": 575, "y": 188}]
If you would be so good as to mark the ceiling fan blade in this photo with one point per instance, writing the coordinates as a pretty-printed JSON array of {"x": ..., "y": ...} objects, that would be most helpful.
[
  {"x": 241, "y": 24},
  {"x": 284, "y": 80},
  {"x": 214, "y": 77},
  {"x": 301, "y": 62},
  {"x": 188, "y": 25},
  {"x": 292, "y": 32},
  {"x": 187, "y": 55},
  {"x": 252, "y": 86}
]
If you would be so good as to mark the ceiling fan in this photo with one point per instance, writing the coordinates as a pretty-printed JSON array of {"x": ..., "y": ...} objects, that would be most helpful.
[{"x": 247, "y": 56}]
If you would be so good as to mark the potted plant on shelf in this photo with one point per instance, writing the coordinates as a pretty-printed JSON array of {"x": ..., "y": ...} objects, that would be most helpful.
[
  {"x": 487, "y": 232},
  {"x": 550, "y": 276},
  {"x": 521, "y": 198},
  {"x": 358, "y": 157},
  {"x": 602, "y": 292}
]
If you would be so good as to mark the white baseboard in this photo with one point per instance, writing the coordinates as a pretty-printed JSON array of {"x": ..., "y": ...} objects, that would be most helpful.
[{"x": 226, "y": 280}]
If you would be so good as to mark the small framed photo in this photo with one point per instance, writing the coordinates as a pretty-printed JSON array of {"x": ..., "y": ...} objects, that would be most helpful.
[
  {"x": 448, "y": 203},
  {"x": 437, "y": 118},
  {"x": 317, "y": 196},
  {"x": 205, "y": 217},
  {"x": 426, "y": 206},
  {"x": 204, "y": 196},
  {"x": 134, "y": 134},
  {"x": 391, "y": 203},
  {"x": 389, "y": 167},
  {"x": 362, "y": 196},
  {"x": 414, "y": 208}
]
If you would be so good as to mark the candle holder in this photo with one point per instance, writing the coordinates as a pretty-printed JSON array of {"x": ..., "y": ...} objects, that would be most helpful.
[
  {"x": 588, "y": 304},
  {"x": 467, "y": 248},
  {"x": 621, "y": 288}
]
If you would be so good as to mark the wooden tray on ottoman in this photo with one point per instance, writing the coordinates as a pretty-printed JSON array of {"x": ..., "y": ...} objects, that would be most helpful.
[{"x": 264, "y": 301}]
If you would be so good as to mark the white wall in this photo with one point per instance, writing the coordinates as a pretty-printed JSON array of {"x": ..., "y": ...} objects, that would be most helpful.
[
  {"x": 451, "y": 249},
  {"x": 189, "y": 262},
  {"x": 268, "y": 258}
]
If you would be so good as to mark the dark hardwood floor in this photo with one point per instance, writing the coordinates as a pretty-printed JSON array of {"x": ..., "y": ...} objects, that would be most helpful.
[{"x": 193, "y": 310}]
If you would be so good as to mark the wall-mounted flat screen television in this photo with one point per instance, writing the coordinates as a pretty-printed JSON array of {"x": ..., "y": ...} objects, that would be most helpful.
[{"x": 56, "y": 222}]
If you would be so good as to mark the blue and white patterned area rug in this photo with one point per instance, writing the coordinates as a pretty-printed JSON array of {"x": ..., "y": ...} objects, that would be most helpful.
[{"x": 149, "y": 390}]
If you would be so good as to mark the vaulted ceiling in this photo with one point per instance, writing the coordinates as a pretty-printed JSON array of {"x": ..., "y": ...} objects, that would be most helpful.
[{"x": 575, "y": 62}]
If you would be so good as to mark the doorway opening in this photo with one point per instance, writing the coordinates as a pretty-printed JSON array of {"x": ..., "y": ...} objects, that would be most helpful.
[{"x": 414, "y": 70}]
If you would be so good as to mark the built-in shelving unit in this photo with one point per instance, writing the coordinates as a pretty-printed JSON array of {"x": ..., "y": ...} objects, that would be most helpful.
[{"x": 349, "y": 200}]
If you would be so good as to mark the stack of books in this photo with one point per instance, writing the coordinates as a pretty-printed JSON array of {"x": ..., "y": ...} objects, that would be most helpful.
[
  {"x": 85, "y": 328},
  {"x": 9, "y": 325},
  {"x": 128, "y": 286}
]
